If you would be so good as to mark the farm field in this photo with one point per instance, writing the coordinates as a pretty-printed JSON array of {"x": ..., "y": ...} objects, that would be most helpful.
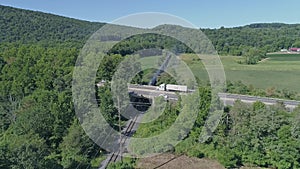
[{"x": 279, "y": 71}]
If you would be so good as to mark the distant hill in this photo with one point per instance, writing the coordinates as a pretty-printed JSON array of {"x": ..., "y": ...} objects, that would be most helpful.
[
  {"x": 30, "y": 26},
  {"x": 272, "y": 25},
  {"x": 261, "y": 37},
  {"x": 267, "y": 37}
]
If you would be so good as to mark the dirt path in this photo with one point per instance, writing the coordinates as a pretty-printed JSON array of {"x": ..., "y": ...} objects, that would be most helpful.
[{"x": 170, "y": 161}]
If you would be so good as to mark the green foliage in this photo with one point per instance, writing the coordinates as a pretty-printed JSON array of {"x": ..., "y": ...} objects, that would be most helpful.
[
  {"x": 227, "y": 157},
  {"x": 296, "y": 44},
  {"x": 237, "y": 87},
  {"x": 160, "y": 124},
  {"x": 121, "y": 165},
  {"x": 205, "y": 103},
  {"x": 36, "y": 27},
  {"x": 2, "y": 63},
  {"x": 77, "y": 149},
  {"x": 253, "y": 56},
  {"x": 148, "y": 41},
  {"x": 265, "y": 37},
  {"x": 261, "y": 136},
  {"x": 166, "y": 79},
  {"x": 108, "y": 67},
  {"x": 24, "y": 151},
  {"x": 126, "y": 163},
  {"x": 258, "y": 106},
  {"x": 106, "y": 105},
  {"x": 38, "y": 52},
  {"x": 240, "y": 88}
]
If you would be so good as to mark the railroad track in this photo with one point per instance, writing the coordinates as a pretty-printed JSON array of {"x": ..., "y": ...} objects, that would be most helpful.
[{"x": 114, "y": 156}]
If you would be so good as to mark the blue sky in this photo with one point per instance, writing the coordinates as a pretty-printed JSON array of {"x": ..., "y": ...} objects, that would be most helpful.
[{"x": 208, "y": 13}]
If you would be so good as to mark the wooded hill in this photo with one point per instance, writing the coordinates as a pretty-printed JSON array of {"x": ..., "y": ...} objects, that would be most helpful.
[
  {"x": 18, "y": 25},
  {"x": 267, "y": 37}
]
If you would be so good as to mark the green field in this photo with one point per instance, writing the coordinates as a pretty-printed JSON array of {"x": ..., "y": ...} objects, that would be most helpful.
[{"x": 279, "y": 71}]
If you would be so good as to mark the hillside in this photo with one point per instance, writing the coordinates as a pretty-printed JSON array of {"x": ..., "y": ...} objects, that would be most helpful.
[
  {"x": 238, "y": 41},
  {"x": 38, "y": 127},
  {"x": 267, "y": 37},
  {"x": 31, "y": 27}
]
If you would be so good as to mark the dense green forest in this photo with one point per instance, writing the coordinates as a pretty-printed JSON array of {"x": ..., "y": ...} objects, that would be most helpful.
[
  {"x": 252, "y": 41},
  {"x": 248, "y": 135},
  {"x": 38, "y": 127},
  {"x": 262, "y": 36},
  {"x": 25, "y": 26}
]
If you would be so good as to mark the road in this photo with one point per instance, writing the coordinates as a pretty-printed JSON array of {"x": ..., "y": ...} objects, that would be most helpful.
[
  {"x": 150, "y": 92},
  {"x": 227, "y": 98}
]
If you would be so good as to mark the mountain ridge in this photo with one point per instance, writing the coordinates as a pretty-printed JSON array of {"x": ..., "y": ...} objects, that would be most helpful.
[{"x": 27, "y": 26}]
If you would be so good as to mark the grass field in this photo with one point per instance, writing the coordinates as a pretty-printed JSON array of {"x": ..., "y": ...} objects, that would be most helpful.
[{"x": 281, "y": 71}]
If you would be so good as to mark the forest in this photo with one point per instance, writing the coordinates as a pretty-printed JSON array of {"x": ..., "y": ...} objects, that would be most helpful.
[
  {"x": 38, "y": 126},
  {"x": 266, "y": 37}
]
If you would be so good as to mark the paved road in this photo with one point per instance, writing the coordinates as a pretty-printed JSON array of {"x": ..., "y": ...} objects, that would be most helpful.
[
  {"x": 150, "y": 91},
  {"x": 227, "y": 98}
]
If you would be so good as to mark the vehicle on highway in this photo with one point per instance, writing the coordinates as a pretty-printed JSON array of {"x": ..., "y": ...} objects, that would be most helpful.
[{"x": 172, "y": 87}]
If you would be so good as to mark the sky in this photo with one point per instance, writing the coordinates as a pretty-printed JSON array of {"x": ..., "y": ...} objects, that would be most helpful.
[{"x": 201, "y": 13}]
